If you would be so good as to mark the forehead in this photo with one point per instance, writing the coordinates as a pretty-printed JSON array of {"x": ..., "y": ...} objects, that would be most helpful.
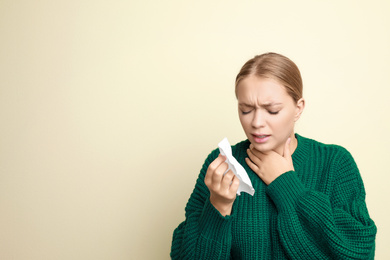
[{"x": 254, "y": 89}]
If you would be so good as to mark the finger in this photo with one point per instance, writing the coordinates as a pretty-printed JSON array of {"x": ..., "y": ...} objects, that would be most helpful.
[
  {"x": 218, "y": 174},
  {"x": 255, "y": 159},
  {"x": 234, "y": 184},
  {"x": 215, "y": 164},
  {"x": 212, "y": 167},
  {"x": 227, "y": 180},
  {"x": 286, "y": 152},
  {"x": 251, "y": 165}
]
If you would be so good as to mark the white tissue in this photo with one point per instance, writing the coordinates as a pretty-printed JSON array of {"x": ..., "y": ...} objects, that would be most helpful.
[{"x": 236, "y": 167}]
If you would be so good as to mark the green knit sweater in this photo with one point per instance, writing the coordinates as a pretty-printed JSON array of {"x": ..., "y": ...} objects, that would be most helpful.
[{"x": 317, "y": 211}]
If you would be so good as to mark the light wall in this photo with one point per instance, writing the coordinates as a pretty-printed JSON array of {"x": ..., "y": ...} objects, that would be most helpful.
[{"x": 109, "y": 108}]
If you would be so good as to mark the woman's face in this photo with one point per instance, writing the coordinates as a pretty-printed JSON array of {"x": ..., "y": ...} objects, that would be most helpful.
[{"x": 267, "y": 113}]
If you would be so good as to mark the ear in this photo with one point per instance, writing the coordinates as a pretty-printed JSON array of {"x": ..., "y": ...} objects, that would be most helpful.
[{"x": 299, "y": 108}]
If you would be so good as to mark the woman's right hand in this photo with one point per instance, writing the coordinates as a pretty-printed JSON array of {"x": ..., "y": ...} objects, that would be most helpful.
[{"x": 223, "y": 188}]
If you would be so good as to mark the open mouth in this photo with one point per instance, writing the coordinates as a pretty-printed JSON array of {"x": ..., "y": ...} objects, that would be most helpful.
[{"x": 261, "y": 138}]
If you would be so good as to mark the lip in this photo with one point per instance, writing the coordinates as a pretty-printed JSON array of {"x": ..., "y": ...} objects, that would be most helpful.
[{"x": 260, "y": 140}]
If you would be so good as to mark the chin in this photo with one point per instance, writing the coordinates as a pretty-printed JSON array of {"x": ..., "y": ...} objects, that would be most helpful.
[
  {"x": 263, "y": 147},
  {"x": 271, "y": 145}
]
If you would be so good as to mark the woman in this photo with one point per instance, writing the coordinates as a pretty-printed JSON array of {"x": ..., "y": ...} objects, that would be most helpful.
[{"x": 309, "y": 200}]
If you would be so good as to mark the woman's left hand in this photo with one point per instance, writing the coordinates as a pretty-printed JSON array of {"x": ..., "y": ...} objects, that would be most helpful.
[{"x": 270, "y": 165}]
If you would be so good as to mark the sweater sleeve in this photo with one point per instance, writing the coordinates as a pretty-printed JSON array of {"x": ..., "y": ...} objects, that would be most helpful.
[
  {"x": 205, "y": 233},
  {"x": 314, "y": 225}
]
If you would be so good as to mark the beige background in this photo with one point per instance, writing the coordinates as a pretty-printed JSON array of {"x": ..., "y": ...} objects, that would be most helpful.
[{"x": 109, "y": 108}]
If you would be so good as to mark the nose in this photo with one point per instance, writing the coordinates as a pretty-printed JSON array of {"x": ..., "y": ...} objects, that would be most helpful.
[{"x": 258, "y": 120}]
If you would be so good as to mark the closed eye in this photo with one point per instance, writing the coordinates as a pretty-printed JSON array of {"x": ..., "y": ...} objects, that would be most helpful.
[
  {"x": 245, "y": 112},
  {"x": 273, "y": 112}
]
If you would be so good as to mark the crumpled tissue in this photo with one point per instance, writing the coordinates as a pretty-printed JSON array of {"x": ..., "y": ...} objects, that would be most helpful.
[{"x": 245, "y": 183}]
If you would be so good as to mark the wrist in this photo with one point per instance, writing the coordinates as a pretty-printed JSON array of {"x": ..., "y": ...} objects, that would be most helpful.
[{"x": 223, "y": 208}]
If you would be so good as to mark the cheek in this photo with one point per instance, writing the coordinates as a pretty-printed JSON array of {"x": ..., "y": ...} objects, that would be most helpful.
[
  {"x": 246, "y": 122},
  {"x": 243, "y": 121},
  {"x": 284, "y": 123}
]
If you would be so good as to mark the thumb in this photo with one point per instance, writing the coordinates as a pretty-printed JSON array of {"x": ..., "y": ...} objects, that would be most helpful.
[{"x": 286, "y": 152}]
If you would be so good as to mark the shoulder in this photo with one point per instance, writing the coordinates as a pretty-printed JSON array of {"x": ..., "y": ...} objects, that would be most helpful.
[
  {"x": 314, "y": 147},
  {"x": 331, "y": 157},
  {"x": 335, "y": 161}
]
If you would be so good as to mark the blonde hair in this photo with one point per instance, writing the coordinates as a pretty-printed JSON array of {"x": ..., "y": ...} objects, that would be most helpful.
[{"x": 277, "y": 67}]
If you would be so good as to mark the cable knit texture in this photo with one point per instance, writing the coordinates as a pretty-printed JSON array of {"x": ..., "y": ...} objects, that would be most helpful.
[{"x": 317, "y": 211}]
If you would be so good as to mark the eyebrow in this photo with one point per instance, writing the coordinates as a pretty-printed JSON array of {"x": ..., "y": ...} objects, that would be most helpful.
[{"x": 269, "y": 104}]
